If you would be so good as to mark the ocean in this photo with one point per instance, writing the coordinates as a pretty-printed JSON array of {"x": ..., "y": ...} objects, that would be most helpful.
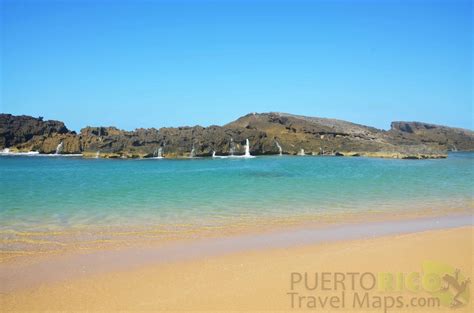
[{"x": 53, "y": 203}]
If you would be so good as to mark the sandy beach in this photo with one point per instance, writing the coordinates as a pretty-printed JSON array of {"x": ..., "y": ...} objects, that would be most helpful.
[
  {"x": 272, "y": 279},
  {"x": 260, "y": 156}
]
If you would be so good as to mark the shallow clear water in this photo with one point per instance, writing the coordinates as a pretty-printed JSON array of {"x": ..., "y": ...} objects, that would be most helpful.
[{"x": 44, "y": 193}]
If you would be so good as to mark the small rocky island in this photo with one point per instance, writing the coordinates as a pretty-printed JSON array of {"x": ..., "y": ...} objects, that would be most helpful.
[{"x": 267, "y": 134}]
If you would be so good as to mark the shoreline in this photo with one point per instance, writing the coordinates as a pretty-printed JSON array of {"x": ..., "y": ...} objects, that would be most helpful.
[
  {"x": 353, "y": 154},
  {"x": 44, "y": 244},
  {"x": 66, "y": 266}
]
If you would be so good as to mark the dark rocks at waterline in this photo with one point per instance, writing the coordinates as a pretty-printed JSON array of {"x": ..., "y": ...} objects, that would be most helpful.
[{"x": 268, "y": 134}]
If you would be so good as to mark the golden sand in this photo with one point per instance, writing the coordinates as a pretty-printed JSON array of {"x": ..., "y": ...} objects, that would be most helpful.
[{"x": 254, "y": 281}]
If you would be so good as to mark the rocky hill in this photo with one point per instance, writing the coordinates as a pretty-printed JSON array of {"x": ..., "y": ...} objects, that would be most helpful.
[{"x": 268, "y": 133}]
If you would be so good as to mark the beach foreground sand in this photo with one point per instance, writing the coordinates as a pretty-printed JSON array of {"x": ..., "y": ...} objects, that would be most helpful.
[{"x": 257, "y": 281}]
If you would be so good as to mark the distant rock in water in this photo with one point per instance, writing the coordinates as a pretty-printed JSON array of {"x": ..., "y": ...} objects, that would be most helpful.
[{"x": 293, "y": 133}]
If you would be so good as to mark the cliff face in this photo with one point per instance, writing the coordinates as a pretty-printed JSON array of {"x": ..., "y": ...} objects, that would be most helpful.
[{"x": 268, "y": 133}]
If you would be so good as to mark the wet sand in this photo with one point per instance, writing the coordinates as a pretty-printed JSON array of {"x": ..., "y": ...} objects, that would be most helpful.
[
  {"x": 242, "y": 274},
  {"x": 29, "y": 245}
]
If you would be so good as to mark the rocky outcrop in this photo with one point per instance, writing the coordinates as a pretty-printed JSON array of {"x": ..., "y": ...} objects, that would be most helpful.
[
  {"x": 16, "y": 130},
  {"x": 47, "y": 144},
  {"x": 173, "y": 142},
  {"x": 322, "y": 136},
  {"x": 446, "y": 138},
  {"x": 268, "y": 133}
]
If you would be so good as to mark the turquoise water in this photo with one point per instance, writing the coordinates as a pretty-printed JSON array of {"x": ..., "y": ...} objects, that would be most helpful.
[{"x": 44, "y": 193}]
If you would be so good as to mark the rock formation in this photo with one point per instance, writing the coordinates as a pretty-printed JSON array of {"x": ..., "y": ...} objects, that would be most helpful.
[
  {"x": 16, "y": 130},
  {"x": 268, "y": 133},
  {"x": 449, "y": 138}
]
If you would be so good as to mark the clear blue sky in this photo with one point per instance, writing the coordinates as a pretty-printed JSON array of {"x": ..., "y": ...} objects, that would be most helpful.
[{"x": 168, "y": 63}]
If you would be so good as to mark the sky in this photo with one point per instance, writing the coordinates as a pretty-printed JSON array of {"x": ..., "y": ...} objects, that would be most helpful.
[{"x": 172, "y": 63}]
